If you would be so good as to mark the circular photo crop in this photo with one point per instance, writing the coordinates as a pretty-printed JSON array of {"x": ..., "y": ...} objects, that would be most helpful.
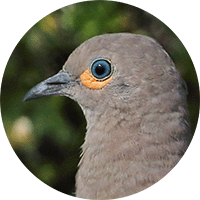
[{"x": 100, "y": 100}]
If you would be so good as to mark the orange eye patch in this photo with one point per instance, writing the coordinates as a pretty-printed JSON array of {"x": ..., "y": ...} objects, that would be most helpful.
[{"x": 91, "y": 82}]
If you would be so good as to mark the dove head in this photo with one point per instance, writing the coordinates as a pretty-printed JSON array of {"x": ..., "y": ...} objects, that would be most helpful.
[{"x": 124, "y": 71}]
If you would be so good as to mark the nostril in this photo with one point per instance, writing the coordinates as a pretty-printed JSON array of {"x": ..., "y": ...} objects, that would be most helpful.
[{"x": 56, "y": 83}]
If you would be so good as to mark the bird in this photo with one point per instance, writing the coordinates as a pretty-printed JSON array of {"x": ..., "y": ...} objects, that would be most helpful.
[{"x": 135, "y": 104}]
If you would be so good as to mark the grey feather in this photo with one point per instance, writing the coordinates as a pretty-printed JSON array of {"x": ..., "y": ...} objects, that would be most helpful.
[{"x": 137, "y": 125}]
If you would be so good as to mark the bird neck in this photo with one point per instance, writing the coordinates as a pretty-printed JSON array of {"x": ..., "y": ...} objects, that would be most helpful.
[
  {"x": 109, "y": 126},
  {"x": 126, "y": 148}
]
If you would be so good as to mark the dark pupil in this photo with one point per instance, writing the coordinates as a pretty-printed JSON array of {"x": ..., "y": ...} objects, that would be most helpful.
[{"x": 100, "y": 70}]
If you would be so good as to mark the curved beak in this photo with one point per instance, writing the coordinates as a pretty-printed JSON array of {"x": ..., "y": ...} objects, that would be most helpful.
[{"x": 50, "y": 86}]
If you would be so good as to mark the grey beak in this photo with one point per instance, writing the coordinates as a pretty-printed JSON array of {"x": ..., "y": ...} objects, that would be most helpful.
[{"x": 50, "y": 86}]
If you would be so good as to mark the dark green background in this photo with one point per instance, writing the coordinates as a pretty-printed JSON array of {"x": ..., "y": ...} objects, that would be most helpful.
[{"x": 47, "y": 133}]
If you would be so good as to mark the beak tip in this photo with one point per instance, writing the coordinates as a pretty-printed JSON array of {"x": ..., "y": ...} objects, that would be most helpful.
[
  {"x": 48, "y": 87},
  {"x": 31, "y": 94},
  {"x": 24, "y": 99},
  {"x": 27, "y": 97}
]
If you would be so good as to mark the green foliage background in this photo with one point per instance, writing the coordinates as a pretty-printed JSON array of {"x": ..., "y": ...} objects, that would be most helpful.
[{"x": 46, "y": 134}]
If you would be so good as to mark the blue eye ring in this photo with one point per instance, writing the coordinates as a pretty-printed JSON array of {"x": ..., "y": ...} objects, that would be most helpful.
[{"x": 101, "y": 68}]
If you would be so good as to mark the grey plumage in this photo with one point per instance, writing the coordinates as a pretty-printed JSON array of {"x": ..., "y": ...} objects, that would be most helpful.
[{"x": 137, "y": 124}]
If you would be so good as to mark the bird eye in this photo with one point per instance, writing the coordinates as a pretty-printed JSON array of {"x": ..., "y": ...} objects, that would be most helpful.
[{"x": 101, "y": 69}]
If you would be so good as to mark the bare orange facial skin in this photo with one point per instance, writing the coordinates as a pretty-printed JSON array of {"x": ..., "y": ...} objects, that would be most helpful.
[{"x": 89, "y": 81}]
